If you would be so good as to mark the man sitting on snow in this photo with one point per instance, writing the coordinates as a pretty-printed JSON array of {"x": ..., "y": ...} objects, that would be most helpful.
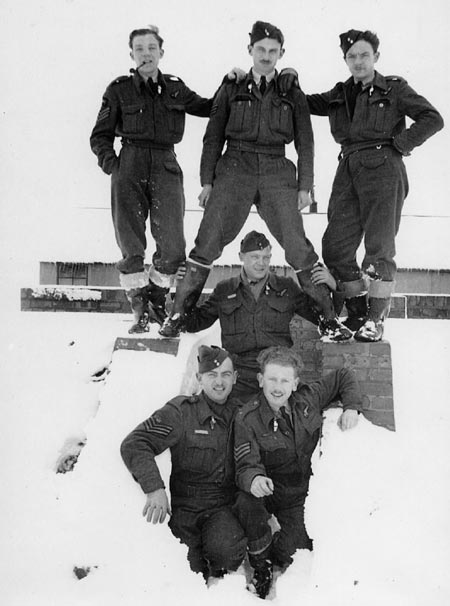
[
  {"x": 275, "y": 436},
  {"x": 197, "y": 429}
]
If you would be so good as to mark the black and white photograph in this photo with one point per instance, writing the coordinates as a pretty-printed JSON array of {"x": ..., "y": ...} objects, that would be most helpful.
[{"x": 225, "y": 287}]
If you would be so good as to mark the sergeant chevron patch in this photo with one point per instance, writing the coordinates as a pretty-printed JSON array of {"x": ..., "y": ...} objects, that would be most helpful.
[
  {"x": 103, "y": 113},
  {"x": 154, "y": 425},
  {"x": 241, "y": 451}
]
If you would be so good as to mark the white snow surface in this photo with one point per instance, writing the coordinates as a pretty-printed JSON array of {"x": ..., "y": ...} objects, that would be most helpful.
[{"x": 378, "y": 508}]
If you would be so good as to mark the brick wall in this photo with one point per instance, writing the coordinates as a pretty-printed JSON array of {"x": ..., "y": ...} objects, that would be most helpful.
[
  {"x": 113, "y": 300},
  {"x": 371, "y": 363}
]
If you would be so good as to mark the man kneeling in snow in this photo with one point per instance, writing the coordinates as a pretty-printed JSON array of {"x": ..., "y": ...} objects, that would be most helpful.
[
  {"x": 197, "y": 429},
  {"x": 275, "y": 436}
]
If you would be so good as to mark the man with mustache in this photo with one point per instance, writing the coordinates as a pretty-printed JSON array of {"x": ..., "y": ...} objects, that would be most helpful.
[
  {"x": 257, "y": 120},
  {"x": 367, "y": 115},
  {"x": 275, "y": 436}
]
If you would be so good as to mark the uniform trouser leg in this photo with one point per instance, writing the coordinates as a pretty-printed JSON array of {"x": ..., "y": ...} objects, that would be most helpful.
[
  {"x": 227, "y": 209},
  {"x": 223, "y": 540},
  {"x": 278, "y": 207},
  {"x": 382, "y": 191},
  {"x": 254, "y": 519},
  {"x": 246, "y": 384},
  {"x": 344, "y": 231},
  {"x": 367, "y": 198},
  {"x": 212, "y": 533},
  {"x": 130, "y": 206},
  {"x": 148, "y": 182},
  {"x": 167, "y": 211},
  {"x": 292, "y": 534}
]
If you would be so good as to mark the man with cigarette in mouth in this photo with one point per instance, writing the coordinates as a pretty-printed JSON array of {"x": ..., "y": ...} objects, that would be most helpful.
[{"x": 147, "y": 109}]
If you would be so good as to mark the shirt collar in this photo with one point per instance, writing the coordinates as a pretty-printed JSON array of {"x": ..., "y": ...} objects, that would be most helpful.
[
  {"x": 205, "y": 412},
  {"x": 247, "y": 282},
  {"x": 257, "y": 77},
  {"x": 139, "y": 81},
  {"x": 378, "y": 80}
]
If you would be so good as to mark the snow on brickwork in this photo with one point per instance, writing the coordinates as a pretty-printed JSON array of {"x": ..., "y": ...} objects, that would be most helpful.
[{"x": 67, "y": 293}]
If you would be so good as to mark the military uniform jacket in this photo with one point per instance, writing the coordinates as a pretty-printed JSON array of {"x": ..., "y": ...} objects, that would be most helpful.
[
  {"x": 150, "y": 115},
  {"x": 268, "y": 447},
  {"x": 240, "y": 113},
  {"x": 248, "y": 324},
  {"x": 200, "y": 445},
  {"x": 379, "y": 113}
]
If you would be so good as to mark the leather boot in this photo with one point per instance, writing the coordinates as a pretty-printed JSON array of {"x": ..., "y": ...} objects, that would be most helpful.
[
  {"x": 156, "y": 298},
  {"x": 261, "y": 581},
  {"x": 373, "y": 328},
  {"x": 187, "y": 294},
  {"x": 329, "y": 324},
  {"x": 357, "y": 310},
  {"x": 139, "y": 305}
]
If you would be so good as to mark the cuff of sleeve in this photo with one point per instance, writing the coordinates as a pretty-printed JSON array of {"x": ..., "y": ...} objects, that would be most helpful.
[
  {"x": 399, "y": 149},
  {"x": 150, "y": 484},
  {"x": 247, "y": 479}
]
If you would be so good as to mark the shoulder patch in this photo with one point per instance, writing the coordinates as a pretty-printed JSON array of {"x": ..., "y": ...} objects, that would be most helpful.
[
  {"x": 172, "y": 78},
  {"x": 120, "y": 79},
  {"x": 395, "y": 78},
  {"x": 248, "y": 407}
]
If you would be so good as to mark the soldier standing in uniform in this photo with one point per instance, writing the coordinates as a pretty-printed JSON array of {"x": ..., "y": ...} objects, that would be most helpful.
[
  {"x": 257, "y": 120},
  {"x": 367, "y": 117},
  {"x": 147, "y": 110},
  {"x": 255, "y": 310},
  {"x": 275, "y": 436},
  {"x": 197, "y": 430}
]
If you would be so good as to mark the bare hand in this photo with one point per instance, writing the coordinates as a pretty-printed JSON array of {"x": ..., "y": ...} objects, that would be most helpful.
[
  {"x": 348, "y": 419},
  {"x": 236, "y": 73},
  {"x": 304, "y": 199},
  {"x": 204, "y": 196},
  {"x": 261, "y": 487},
  {"x": 157, "y": 506},
  {"x": 321, "y": 275}
]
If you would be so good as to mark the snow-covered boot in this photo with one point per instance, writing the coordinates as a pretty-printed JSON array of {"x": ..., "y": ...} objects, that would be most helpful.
[
  {"x": 187, "y": 294},
  {"x": 139, "y": 305},
  {"x": 357, "y": 310},
  {"x": 329, "y": 324},
  {"x": 261, "y": 581},
  {"x": 373, "y": 328},
  {"x": 135, "y": 286}
]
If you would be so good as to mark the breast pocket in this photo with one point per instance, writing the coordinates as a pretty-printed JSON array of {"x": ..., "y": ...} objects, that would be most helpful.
[
  {"x": 200, "y": 452},
  {"x": 232, "y": 317},
  {"x": 176, "y": 118},
  {"x": 380, "y": 112},
  {"x": 273, "y": 450},
  {"x": 132, "y": 117},
  {"x": 241, "y": 116},
  {"x": 278, "y": 314},
  {"x": 281, "y": 120}
]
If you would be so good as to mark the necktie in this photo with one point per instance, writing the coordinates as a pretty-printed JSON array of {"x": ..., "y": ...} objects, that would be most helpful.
[
  {"x": 262, "y": 85},
  {"x": 286, "y": 417}
]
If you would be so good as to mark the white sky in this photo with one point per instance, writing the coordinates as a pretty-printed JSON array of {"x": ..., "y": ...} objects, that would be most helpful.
[{"x": 58, "y": 57}]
